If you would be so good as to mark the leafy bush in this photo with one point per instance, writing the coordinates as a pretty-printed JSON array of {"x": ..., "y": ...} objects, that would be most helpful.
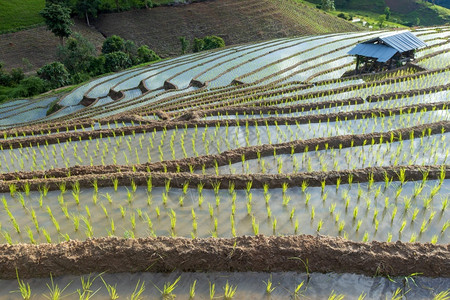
[
  {"x": 55, "y": 73},
  {"x": 76, "y": 54},
  {"x": 207, "y": 43},
  {"x": 113, "y": 43},
  {"x": 199, "y": 44},
  {"x": 117, "y": 61},
  {"x": 79, "y": 78},
  {"x": 16, "y": 76},
  {"x": 184, "y": 44},
  {"x": 31, "y": 86},
  {"x": 97, "y": 65},
  {"x": 342, "y": 16},
  {"x": 54, "y": 107},
  {"x": 5, "y": 78},
  {"x": 146, "y": 55},
  {"x": 11, "y": 79},
  {"x": 111, "y": 5}
]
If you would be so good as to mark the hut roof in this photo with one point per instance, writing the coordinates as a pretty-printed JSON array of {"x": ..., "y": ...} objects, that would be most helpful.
[{"x": 384, "y": 47}]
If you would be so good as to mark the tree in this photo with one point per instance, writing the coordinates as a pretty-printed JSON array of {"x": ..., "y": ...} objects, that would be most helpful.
[
  {"x": 146, "y": 55},
  {"x": 113, "y": 43},
  {"x": 328, "y": 5},
  {"x": 57, "y": 19},
  {"x": 116, "y": 61},
  {"x": 76, "y": 54},
  {"x": 87, "y": 8},
  {"x": 55, "y": 73},
  {"x": 184, "y": 44},
  {"x": 387, "y": 12},
  {"x": 31, "y": 86},
  {"x": 381, "y": 19}
]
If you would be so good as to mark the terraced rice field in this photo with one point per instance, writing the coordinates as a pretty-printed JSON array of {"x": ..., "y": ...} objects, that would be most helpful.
[{"x": 256, "y": 158}]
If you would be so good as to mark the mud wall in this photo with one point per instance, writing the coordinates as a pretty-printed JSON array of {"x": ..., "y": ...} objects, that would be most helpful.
[{"x": 241, "y": 254}]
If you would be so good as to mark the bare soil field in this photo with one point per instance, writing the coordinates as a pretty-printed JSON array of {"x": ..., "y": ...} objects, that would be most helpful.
[
  {"x": 38, "y": 46},
  {"x": 233, "y": 20}
]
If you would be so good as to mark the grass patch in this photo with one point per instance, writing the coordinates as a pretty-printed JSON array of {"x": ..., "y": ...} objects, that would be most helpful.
[{"x": 20, "y": 14}]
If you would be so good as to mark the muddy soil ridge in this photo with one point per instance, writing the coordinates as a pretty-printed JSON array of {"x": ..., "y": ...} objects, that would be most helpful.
[
  {"x": 240, "y": 181},
  {"x": 242, "y": 254}
]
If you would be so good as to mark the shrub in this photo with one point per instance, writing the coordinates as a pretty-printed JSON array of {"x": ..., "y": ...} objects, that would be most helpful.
[
  {"x": 55, "y": 73},
  {"x": 207, "y": 43},
  {"x": 16, "y": 75},
  {"x": 342, "y": 16},
  {"x": 32, "y": 85},
  {"x": 80, "y": 77},
  {"x": 11, "y": 79},
  {"x": 54, "y": 107},
  {"x": 97, "y": 65},
  {"x": 146, "y": 55},
  {"x": 76, "y": 54},
  {"x": 184, "y": 44},
  {"x": 117, "y": 61},
  {"x": 113, "y": 43},
  {"x": 199, "y": 44},
  {"x": 130, "y": 48},
  {"x": 5, "y": 79},
  {"x": 212, "y": 42}
]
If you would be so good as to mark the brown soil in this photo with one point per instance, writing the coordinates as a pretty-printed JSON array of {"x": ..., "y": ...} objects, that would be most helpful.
[
  {"x": 242, "y": 254},
  {"x": 38, "y": 45},
  {"x": 104, "y": 177},
  {"x": 233, "y": 20}
]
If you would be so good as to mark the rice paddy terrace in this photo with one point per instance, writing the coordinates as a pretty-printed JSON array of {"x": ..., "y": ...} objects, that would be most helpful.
[{"x": 258, "y": 159}]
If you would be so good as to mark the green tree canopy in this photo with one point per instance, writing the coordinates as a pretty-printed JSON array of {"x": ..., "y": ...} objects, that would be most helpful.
[
  {"x": 76, "y": 54},
  {"x": 387, "y": 12},
  {"x": 328, "y": 5},
  {"x": 55, "y": 73},
  {"x": 57, "y": 19},
  {"x": 113, "y": 43},
  {"x": 207, "y": 43},
  {"x": 87, "y": 8}
]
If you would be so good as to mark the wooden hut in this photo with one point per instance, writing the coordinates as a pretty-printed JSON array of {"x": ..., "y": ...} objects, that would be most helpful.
[{"x": 386, "y": 52}]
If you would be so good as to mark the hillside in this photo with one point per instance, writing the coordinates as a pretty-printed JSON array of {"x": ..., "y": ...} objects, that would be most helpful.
[
  {"x": 403, "y": 11},
  {"x": 32, "y": 48},
  {"x": 253, "y": 171},
  {"x": 233, "y": 20}
]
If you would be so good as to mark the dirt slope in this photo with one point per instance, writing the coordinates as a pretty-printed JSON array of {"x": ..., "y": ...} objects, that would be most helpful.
[
  {"x": 235, "y": 21},
  {"x": 38, "y": 45}
]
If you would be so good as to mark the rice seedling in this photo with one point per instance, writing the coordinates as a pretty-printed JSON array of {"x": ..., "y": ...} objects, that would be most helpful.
[
  {"x": 212, "y": 290},
  {"x": 229, "y": 291},
  {"x": 168, "y": 288},
  {"x": 269, "y": 288},
  {"x": 24, "y": 288},
  {"x": 55, "y": 292},
  {"x": 192, "y": 290},
  {"x": 138, "y": 290}
]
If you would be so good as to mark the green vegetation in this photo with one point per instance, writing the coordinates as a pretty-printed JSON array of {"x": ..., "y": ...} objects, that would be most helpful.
[
  {"x": 208, "y": 43},
  {"x": 57, "y": 19},
  {"x": 406, "y": 12},
  {"x": 79, "y": 63},
  {"x": 16, "y": 14}
]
